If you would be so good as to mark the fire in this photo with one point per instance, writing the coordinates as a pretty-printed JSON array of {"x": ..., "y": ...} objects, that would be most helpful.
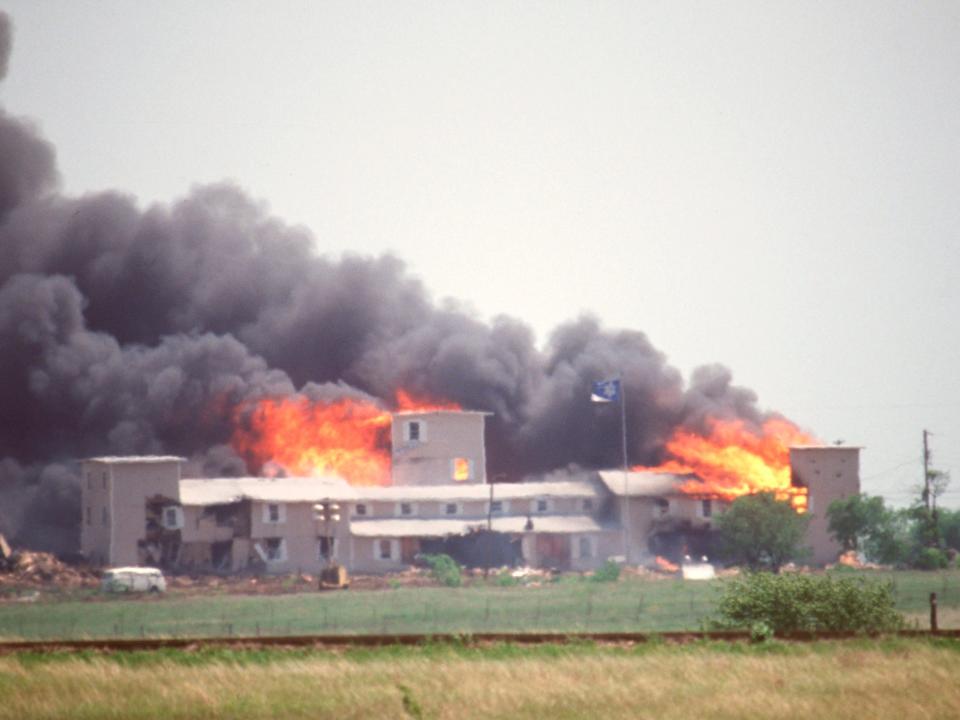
[
  {"x": 408, "y": 402},
  {"x": 461, "y": 469},
  {"x": 733, "y": 460},
  {"x": 665, "y": 565},
  {"x": 346, "y": 437}
]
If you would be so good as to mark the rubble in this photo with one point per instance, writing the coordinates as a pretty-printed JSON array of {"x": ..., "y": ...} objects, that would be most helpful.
[{"x": 27, "y": 570}]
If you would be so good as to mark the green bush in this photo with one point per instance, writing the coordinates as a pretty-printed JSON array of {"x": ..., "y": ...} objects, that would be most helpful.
[
  {"x": 806, "y": 603},
  {"x": 444, "y": 569},
  {"x": 929, "y": 558},
  {"x": 608, "y": 572},
  {"x": 505, "y": 578}
]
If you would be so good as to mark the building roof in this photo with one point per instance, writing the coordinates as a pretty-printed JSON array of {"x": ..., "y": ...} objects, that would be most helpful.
[
  {"x": 219, "y": 491},
  {"x": 440, "y": 411},
  {"x": 644, "y": 483},
  {"x": 132, "y": 459},
  {"x": 826, "y": 447},
  {"x": 480, "y": 491},
  {"x": 441, "y": 527}
]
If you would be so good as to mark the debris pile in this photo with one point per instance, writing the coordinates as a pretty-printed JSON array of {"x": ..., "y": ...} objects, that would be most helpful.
[{"x": 39, "y": 570}]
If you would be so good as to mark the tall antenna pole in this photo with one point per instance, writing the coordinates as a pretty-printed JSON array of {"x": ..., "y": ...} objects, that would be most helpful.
[
  {"x": 626, "y": 486},
  {"x": 926, "y": 471}
]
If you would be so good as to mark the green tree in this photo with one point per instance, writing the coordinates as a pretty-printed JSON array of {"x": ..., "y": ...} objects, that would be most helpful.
[
  {"x": 950, "y": 527},
  {"x": 762, "y": 532},
  {"x": 891, "y": 541},
  {"x": 852, "y": 520}
]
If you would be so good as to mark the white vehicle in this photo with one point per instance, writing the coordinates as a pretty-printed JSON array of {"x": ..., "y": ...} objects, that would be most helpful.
[{"x": 133, "y": 579}]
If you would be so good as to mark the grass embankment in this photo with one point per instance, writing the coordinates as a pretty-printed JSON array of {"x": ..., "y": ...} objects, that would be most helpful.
[
  {"x": 857, "y": 679},
  {"x": 571, "y": 605}
]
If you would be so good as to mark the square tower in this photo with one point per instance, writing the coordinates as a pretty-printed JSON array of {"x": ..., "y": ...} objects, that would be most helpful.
[
  {"x": 829, "y": 472},
  {"x": 438, "y": 447},
  {"x": 114, "y": 492}
]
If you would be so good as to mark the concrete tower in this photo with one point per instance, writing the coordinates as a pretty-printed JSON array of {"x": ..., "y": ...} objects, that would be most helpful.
[{"x": 829, "y": 472}]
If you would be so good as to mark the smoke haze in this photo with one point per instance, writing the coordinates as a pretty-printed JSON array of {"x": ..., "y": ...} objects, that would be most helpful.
[{"x": 130, "y": 330}]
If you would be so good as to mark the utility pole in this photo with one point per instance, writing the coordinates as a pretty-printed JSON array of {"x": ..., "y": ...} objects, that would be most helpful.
[{"x": 926, "y": 471}]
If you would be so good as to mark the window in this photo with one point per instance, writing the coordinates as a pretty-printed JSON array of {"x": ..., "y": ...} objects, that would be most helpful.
[
  {"x": 360, "y": 509},
  {"x": 89, "y": 516},
  {"x": 542, "y": 505},
  {"x": 498, "y": 507},
  {"x": 172, "y": 518},
  {"x": 386, "y": 549},
  {"x": 451, "y": 509},
  {"x": 276, "y": 549},
  {"x": 661, "y": 507},
  {"x": 461, "y": 469},
  {"x": 327, "y": 548},
  {"x": 104, "y": 479},
  {"x": 706, "y": 508},
  {"x": 415, "y": 431},
  {"x": 588, "y": 504},
  {"x": 104, "y": 516},
  {"x": 585, "y": 547},
  {"x": 274, "y": 513},
  {"x": 406, "y": 509}
]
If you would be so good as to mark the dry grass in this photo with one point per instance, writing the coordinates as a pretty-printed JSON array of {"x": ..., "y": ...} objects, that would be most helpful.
[{"x": 836, "y": 680}]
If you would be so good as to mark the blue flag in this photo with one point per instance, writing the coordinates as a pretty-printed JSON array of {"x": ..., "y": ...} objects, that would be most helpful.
[{"x": 605, "y": 391}]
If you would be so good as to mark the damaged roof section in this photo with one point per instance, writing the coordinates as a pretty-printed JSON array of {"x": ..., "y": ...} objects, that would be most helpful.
[{"x": 645, "y": 483}]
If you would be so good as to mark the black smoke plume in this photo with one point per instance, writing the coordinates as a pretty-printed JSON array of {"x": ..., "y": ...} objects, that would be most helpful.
[{"x": 129, "y": 330}]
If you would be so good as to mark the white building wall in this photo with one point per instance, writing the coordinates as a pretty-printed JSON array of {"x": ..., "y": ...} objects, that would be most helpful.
[
  {"x": 119, "y": 510},
  {"x": 442, "y": 437}
]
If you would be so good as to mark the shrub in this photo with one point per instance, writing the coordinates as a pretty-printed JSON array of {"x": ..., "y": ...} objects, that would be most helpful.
[
  {"x": 608, "y": 572},
  {"x": 929, "y": 558},
  {"x": 505, "y": 578},
  {"x": 804, "y": 603},
  {"x": 444, "y": 569}
]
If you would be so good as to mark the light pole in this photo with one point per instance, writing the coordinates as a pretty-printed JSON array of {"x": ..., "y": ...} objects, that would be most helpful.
[{"x": 327, "y": 512}]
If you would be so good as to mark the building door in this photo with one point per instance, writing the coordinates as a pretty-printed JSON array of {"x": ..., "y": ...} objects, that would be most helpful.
[
  {"x": 553, "y": 551},
  {"x": 409, "y": 547}
]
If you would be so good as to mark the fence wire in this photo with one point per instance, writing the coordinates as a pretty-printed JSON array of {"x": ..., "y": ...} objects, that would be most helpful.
[{"x": 571, "y": 605}]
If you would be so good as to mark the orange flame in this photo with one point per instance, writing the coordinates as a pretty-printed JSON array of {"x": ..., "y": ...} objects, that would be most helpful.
[
  {"x": 408, "y": 402},
  {"x": 665, "y": 565},
  {"x": 346, "y": 437},
  {"x": 733, "y": 460}
]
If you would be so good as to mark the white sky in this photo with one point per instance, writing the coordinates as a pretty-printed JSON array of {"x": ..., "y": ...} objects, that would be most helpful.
[{"x": 772, "y": 186}]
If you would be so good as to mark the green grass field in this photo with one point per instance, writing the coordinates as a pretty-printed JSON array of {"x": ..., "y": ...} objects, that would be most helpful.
[
  {"x": 882, "y": 679},
  {"x": 573, "y": 604}
]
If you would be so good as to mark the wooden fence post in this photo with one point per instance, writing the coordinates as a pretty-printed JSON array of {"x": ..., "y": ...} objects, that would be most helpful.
[{"x": 933, "y": 612}]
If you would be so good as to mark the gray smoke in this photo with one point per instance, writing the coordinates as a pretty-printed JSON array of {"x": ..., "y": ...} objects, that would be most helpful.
[{"x": 129, "y": 330}]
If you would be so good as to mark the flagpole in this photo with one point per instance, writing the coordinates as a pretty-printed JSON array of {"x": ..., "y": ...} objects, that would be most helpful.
[{"x": 626, "y": 487}]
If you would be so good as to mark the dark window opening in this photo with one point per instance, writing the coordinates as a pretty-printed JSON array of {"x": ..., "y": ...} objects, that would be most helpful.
[
  {"x": 327, "y": 547},
  {"x": 274, "y": 548}
]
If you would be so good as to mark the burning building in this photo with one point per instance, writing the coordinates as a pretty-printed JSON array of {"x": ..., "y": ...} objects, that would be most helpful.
[
  {"x": 139, "y": 510},
  {"x": 208, "y": 328}
]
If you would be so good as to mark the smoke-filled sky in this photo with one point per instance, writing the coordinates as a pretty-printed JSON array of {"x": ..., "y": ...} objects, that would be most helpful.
[{"x": 496, "y": 202}]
